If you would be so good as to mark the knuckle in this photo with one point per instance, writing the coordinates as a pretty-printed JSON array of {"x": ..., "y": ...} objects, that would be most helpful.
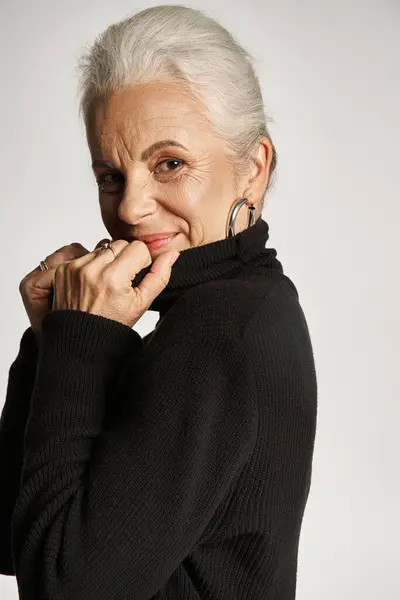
[
  {"x": 71, "y": 265},
  {"x": 62, "y": 267},
  {"x": 164, "y": 280},
  {"x": 122, "y": 243},
  {"x": 88, "y": 271},
  {"x": 112, "y": 280},
  {"x": 58, "y": 270}
]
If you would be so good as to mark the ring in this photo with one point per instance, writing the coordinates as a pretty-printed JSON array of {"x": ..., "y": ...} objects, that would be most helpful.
[
  {"x": 107, "y": 246},
  {"x": 43, "y": 265}
]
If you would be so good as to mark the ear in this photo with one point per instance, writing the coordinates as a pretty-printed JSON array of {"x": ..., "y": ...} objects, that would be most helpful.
[{"x": 259, "y": 174}]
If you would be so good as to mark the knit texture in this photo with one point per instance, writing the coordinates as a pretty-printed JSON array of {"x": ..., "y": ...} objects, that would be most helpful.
[{"x": 176, "y": 466}]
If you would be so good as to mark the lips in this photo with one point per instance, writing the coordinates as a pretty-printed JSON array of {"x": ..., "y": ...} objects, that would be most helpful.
[{"x": 155, "y": 236}]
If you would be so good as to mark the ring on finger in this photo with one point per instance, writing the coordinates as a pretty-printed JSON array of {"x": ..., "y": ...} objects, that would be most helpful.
[{"x": 107, "y": 246}]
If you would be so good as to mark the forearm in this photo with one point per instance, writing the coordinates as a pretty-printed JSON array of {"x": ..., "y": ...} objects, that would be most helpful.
[{"x": 13, "y": 421}]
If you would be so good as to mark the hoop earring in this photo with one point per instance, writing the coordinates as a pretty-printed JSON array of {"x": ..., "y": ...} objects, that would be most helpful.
[{"x": 230, "y": 228}]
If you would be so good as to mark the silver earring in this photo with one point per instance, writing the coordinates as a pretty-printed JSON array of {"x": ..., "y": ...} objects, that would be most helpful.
[{"x": 230, "y": 229}]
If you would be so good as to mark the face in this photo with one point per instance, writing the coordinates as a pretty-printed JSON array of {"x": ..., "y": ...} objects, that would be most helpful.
[{"x": 186, "y": 190}]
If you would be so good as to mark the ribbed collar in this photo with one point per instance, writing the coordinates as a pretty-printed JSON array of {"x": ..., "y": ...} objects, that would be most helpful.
[{"x": 211, "y": 261}]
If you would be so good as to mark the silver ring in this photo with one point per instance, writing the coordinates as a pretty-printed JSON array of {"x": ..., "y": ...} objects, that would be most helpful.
[
  {"x": 107, "y": 246},
  {"x": 43, "y": 265}
]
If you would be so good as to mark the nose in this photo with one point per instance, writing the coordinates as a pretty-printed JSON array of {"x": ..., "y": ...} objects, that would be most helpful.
[{"x": 136, "y": 204}]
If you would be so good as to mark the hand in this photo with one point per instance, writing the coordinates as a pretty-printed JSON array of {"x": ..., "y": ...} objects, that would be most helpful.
[
  {"x": 100, "y": 284},
  {"x": 36, "y": 287}
]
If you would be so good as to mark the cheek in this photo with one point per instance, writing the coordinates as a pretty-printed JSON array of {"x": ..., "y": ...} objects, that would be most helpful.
[
  {"x": 208, "y": 188},
  {"x": 204, "y": 178},
  {"x": 186, "y": 192},
  {"x": 220, "y": 186}
]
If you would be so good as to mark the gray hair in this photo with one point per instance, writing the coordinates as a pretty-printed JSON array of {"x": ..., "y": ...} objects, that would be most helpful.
[{"x": 179, "y": 43}]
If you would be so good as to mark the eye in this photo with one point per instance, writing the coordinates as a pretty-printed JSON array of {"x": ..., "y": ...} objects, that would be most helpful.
[
  {"x": 112, "y": 183},
  {"x": 170, "y": 160},
  {"x": 109, "y": 186}
]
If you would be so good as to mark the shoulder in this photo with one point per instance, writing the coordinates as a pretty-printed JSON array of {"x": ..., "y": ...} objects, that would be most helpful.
[
  {"x": 263, "y": 316},
  {"x": 279, "y": 324},
  {"x": 277, "y": 339},
  {"x": 258, "y": 323},
  {"x": 232, "y": 304}
]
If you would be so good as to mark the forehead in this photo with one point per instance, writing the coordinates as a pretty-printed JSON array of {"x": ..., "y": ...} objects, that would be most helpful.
[{"x": 141, "y": 109}]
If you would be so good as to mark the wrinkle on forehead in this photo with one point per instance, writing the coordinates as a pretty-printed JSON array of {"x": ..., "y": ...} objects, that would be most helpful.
[
  {"x": 173, "y": 129},
  {"x": 147, "y": 103},
  {"x": 141, "y": 114}
]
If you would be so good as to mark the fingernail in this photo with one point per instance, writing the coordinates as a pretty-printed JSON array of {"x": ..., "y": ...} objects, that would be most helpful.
[{"x": 172, "y": 258}]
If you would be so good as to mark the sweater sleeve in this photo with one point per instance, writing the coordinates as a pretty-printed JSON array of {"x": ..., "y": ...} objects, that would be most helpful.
[
  {"x": 106, "y": 514},
  {"x": 14, "y": 415}
]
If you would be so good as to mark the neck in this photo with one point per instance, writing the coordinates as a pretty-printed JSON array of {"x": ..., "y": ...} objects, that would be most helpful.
[{"x": 218, "y": 259}]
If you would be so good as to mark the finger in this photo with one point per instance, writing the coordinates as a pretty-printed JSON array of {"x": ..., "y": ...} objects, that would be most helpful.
[
  {"x": 39, "y": 279},
  {"x": 132, "y": 257},
  {"x": 45, "y": 279},
  {"x": 102, "y": 256},
  {"x": 38, "y": 271},
  {"x": 63, "y": 255},
  {"x": 52, "y": 265},
  {"x": 156, "y": 279}
]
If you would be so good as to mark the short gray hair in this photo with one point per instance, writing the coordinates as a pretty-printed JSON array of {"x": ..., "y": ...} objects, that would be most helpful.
[{"x": 179, "y": 43}]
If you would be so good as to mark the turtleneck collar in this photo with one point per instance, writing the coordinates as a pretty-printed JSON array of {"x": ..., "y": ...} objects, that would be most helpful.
[{"x": 210, "y": 261}]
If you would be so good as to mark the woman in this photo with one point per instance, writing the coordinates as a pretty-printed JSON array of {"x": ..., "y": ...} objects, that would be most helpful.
[{"x": 176, "y": 466}]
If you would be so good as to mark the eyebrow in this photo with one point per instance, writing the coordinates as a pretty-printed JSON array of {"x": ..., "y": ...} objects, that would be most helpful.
[{"x": 145, "y": 154}]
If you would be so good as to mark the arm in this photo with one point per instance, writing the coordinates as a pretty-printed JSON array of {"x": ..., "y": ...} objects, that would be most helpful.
[
  {"x": 12, "y": 426},
  {"x": 106, "y": 513}
]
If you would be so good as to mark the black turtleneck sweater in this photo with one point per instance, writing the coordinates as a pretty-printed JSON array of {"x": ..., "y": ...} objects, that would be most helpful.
[{"x": 171, "y": 467}]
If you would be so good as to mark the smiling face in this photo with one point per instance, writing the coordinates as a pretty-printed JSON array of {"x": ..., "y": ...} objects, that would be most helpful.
[{"x": 187, "y": 189}]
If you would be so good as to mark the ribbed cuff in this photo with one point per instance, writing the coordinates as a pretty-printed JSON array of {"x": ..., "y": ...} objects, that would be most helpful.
[
  {"x": 86, "y": 336},
  {"x": 28, "y": 347}
]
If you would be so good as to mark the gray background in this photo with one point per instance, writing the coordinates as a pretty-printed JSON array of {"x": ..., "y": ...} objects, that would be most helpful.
[{"x": 330, "y": 74}]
